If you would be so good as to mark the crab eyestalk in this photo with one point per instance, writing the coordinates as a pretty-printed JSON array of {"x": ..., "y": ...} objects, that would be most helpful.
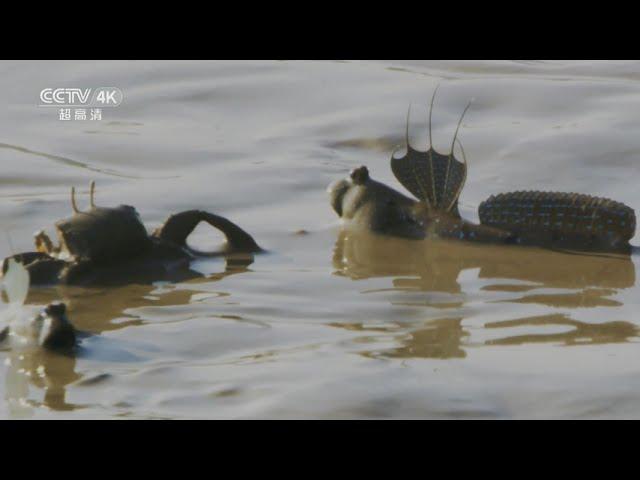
[
  {"x": 74, "y": 206},
  {"x": 92, "y": 190}
]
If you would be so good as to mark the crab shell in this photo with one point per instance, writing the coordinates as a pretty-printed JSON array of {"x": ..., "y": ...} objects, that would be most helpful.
[{"x": 103, "y": 235}]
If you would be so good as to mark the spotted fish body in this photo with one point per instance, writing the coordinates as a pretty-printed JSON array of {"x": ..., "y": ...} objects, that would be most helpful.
[{"x": 561, "y": 219}]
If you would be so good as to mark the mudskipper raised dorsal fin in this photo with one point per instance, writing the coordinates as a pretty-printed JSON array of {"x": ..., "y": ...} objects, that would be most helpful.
[{"x": 432, "y": 177}]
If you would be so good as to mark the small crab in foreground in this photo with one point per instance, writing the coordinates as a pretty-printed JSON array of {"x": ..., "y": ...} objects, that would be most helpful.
[
  {"x": 106, "y": 245},
  {"x": 26, "y": 325}
]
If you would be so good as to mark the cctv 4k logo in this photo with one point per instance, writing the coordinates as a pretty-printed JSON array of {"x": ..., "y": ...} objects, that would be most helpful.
[{"x": 81, "y": 97}]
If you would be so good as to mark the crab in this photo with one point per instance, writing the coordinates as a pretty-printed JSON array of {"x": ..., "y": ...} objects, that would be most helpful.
[
  {"x": 566, "y": 221},
  {"x": 50, "y": 328},
  {"x": 46, "y": 327},
  {"x": 111, "y": 244}
]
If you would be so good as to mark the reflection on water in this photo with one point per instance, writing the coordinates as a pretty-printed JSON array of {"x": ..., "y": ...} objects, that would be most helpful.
[
  {"x": 117, "y": 304},
  {"x": 51, "y": 372},
  {"x": 550, "y": 279},
  {"x": 440, "y": 338},
  {"x": 578, "y": 334},
  {"x": 437, "y": 264},
  {"x": 46, "y": 371}
]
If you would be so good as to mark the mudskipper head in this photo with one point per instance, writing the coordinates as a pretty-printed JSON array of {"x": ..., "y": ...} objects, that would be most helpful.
[{"x": 338, "y": 189}]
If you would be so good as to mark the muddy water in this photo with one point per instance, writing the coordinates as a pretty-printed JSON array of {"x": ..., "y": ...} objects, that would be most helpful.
[{"x": 328, "y": 324}]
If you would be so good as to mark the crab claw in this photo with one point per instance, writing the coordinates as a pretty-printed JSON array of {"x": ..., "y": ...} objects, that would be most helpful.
[
  {"x": 179, "y": 226},
  {"x": 43, "y": 269},
  {"x": 43, "y": 243}
]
